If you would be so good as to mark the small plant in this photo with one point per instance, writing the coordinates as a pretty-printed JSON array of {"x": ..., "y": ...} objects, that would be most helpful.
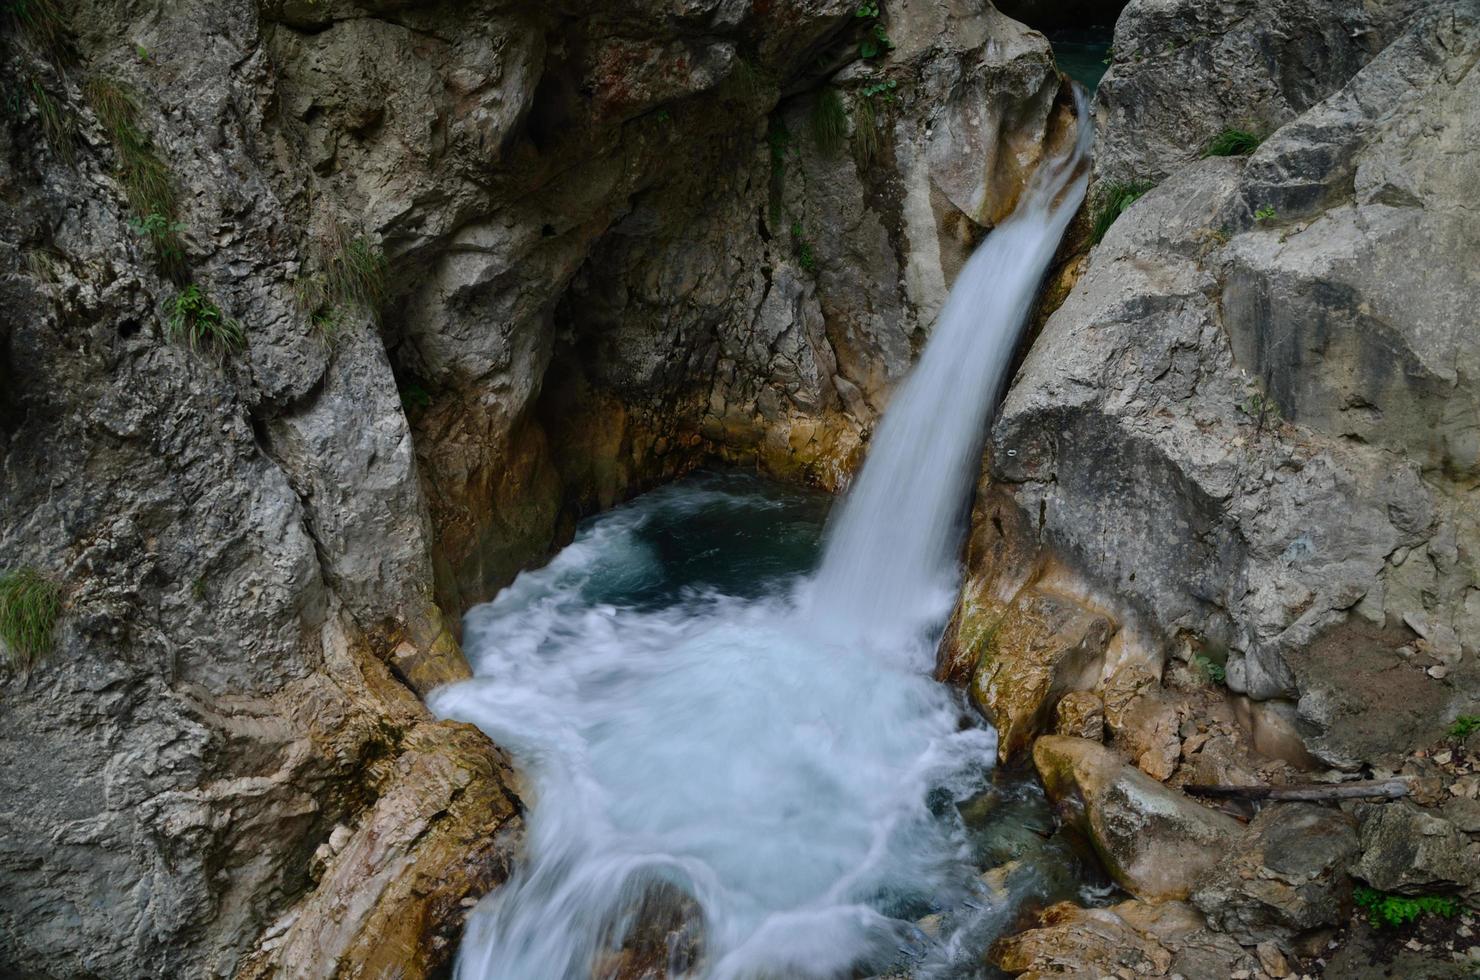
[
  {"x": 29, "y": 608},
  {"x": 43, "y": 23},
  {"x": 146, "y": 180},
  {"x": 875, "y": 43},
  {"x": 885, "y": 88},
  {"x": 163, "y": 235},
  {"x": 1112, "y": 201},
  {"x": 1263, "y": 410},
  {"x": 56, "y": 125},
  {"x": 867, "y": 10},
  {"x": 829, "y": 122},
  {"x": 806, "y": 256},
  {"x": 1212, "y": 671},
  {"x": 1264, "y": 214},
  {"x": 1464, "y": 726},
  {"x": 352, "y": 274},
  {"x": 1232, "y": 143},
  {"x": 200, "y": 323},
  {"x": 663, "y": 116},
  {"x": 142, "y": 53},
  {"x": 1385, "y": 909}
]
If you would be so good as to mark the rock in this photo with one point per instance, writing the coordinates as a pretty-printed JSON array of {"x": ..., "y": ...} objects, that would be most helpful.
[
  {"x": 1271, "y": 960},
  {"x": 1289, "y": 509},
  {"x": 1286, "y": 875},
  {"x": 1042, "y": 647},
  {"x": 1413, "y": 851},
  {"x": 1080, "y": 714},
  {"x": 1148, "y": 731},
  {"x": 1183, "y": 71},
  {"x": 1132, "y": 939},
  {"x": 1155, "y": 842}
]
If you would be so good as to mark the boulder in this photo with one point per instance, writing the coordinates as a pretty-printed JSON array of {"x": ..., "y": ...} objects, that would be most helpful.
[
  {"x": 1286, "y": 875},
  {"x": 1413, "y": 851},
  {"x": 1155, "y": 842},
  {"x": 1042, "y": 647},
  {"x": 1080, "y": 714},
  {"x": 1132, "y": 939}
]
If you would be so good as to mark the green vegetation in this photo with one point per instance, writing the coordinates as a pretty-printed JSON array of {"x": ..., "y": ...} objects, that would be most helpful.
[
  {"x": 351, "y": 274},
  {"x": 200, "y": 323},
  {"x": 414, "y": 396},
  {"x": 1464, "y": 726},
  {"x": 1212, "y": 671},
  {"x": 663, "y": 116},
  {"x": 42, "y": 23},
  {"x": 1263, "y": 410},
  {"x": 806, "y": 256},
  {"x": 866, "y": 135},
  {"x": 875, "y": 40},
  {"x": 829, "y": 122},
  {"x": 29, "y": 608},
  {"x": 146, "y": 180},
  {"x": 1264, "y": 214},
  {"x": 1111, "y": 201},
  {"x": 1232, "y": 143},
  {"x": 779, "y": 139},
  {"x": 56, "y": 125},
  {"x": 1385, "y": 909}
]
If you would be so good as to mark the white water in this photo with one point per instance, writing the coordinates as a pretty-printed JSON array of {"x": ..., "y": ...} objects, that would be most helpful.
[{"x": 767, "y": 744}]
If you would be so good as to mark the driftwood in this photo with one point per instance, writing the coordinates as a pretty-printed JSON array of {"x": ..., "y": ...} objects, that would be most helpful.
[{"x": 1390, "y": 789}]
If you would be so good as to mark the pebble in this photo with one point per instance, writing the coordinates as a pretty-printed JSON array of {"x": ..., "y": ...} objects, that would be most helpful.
[
  {"x": 1443, "y": 757},
  {"x": 1438, "y": 672}
]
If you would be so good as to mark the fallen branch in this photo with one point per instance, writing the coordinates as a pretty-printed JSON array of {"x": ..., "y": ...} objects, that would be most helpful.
[{"x": 1389, "y": 789}]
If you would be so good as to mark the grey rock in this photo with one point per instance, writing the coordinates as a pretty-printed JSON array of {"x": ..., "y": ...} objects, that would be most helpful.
[
  {"x": 1286, "y": 876},
  {"x": 1412, "y": 851}
]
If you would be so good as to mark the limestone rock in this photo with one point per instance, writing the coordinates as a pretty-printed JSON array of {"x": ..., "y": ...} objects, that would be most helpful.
[
  {"x": 1157, "y": 843},
  {"x": 1042, "y": 647},
  {"x": 1414, "y": 851},
  {"x": 1286, "y": 875},
  {"x": 1133, "y": 939},
  {"x": 1158, "y": 440},
  {"x": 1080, "y": 714}
]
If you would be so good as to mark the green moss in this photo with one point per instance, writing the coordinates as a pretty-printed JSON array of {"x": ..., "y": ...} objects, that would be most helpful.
[
  {"x": 1111, "y": 201},
  {"x": 195, "y": 320},
  {"x": 29, "y": 608},
  {"x": 146, "y": 181},
  {"x": 1386, "y": 910},
  {"x": 1232, "y": 143},
  {"x": 1212, "y": 671},
  {"x": 806, "y": 254},
  {"x": 778, "y": 138},
  {"x": 829, "y": 122}
]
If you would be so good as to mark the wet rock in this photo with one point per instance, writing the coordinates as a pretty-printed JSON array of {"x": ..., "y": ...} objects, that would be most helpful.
[
  {"x": 1132, "y": 939},
  {"x": 1413, "y": 851},
  {"x": 1156, "y": 843},
  {"x": 1080, "y": 714},
  {"x": 1287, "y": 874},
  {"x": 1042, "y": 647}
]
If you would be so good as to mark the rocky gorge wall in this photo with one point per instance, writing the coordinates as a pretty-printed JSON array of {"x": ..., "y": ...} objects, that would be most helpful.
[
  {"x": 492, "y": 265},
  {"x": 1226, "y": 523}
]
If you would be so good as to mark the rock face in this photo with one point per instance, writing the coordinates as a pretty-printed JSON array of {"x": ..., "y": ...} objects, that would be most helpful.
[
  {"x": 1415, "y": 852},
  {"x": 495, "y": 263},
  {"x": 1287, "y": 875},
  {"x": 1155, "y": 842},
  {"x": 1167, "y": 939},
  {"x": 1250, "y": 421}
]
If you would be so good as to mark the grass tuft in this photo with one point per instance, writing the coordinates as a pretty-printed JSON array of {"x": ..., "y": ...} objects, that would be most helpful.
[
  {"x": 829, "y": 122},
  {"x": 350, "y": 274},
  {"x": 198, "y": 322},
  {"x": 1232, "y": 143},
  {"x": 1112, "y": 201},
  {"x": 43, "y": 24},
  {"x": 866, "y": 135},
  {"x": 146, "y": 180},
  {"x": 29, "y": 608},
  {"x": 56, "y": 124}
]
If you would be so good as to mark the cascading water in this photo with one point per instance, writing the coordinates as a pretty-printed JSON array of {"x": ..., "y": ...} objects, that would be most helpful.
[{"x": 713, "y": 741}]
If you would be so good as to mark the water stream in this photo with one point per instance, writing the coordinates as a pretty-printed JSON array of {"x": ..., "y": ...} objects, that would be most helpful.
[{"x": 739, "y": 767}]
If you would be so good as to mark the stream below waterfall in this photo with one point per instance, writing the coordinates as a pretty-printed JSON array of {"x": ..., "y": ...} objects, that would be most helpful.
[{"x": 739, "y": 766}]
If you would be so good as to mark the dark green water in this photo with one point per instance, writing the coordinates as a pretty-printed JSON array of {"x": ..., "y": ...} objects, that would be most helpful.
[{"x": 1082, "y": 54}]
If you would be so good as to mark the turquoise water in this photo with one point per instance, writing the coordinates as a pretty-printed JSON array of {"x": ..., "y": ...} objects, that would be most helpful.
[
  {"x": 1082, "y": 54},
  {"x": 687, "y": 729}
]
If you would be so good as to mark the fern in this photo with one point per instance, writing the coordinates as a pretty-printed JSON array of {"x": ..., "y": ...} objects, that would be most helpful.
[{"x": 1386, "y": 910}]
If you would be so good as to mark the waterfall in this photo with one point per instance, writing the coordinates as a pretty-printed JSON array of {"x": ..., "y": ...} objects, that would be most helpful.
[
  {"x": 890, "y": 563},
  {"x": 721, "y": 775}
]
